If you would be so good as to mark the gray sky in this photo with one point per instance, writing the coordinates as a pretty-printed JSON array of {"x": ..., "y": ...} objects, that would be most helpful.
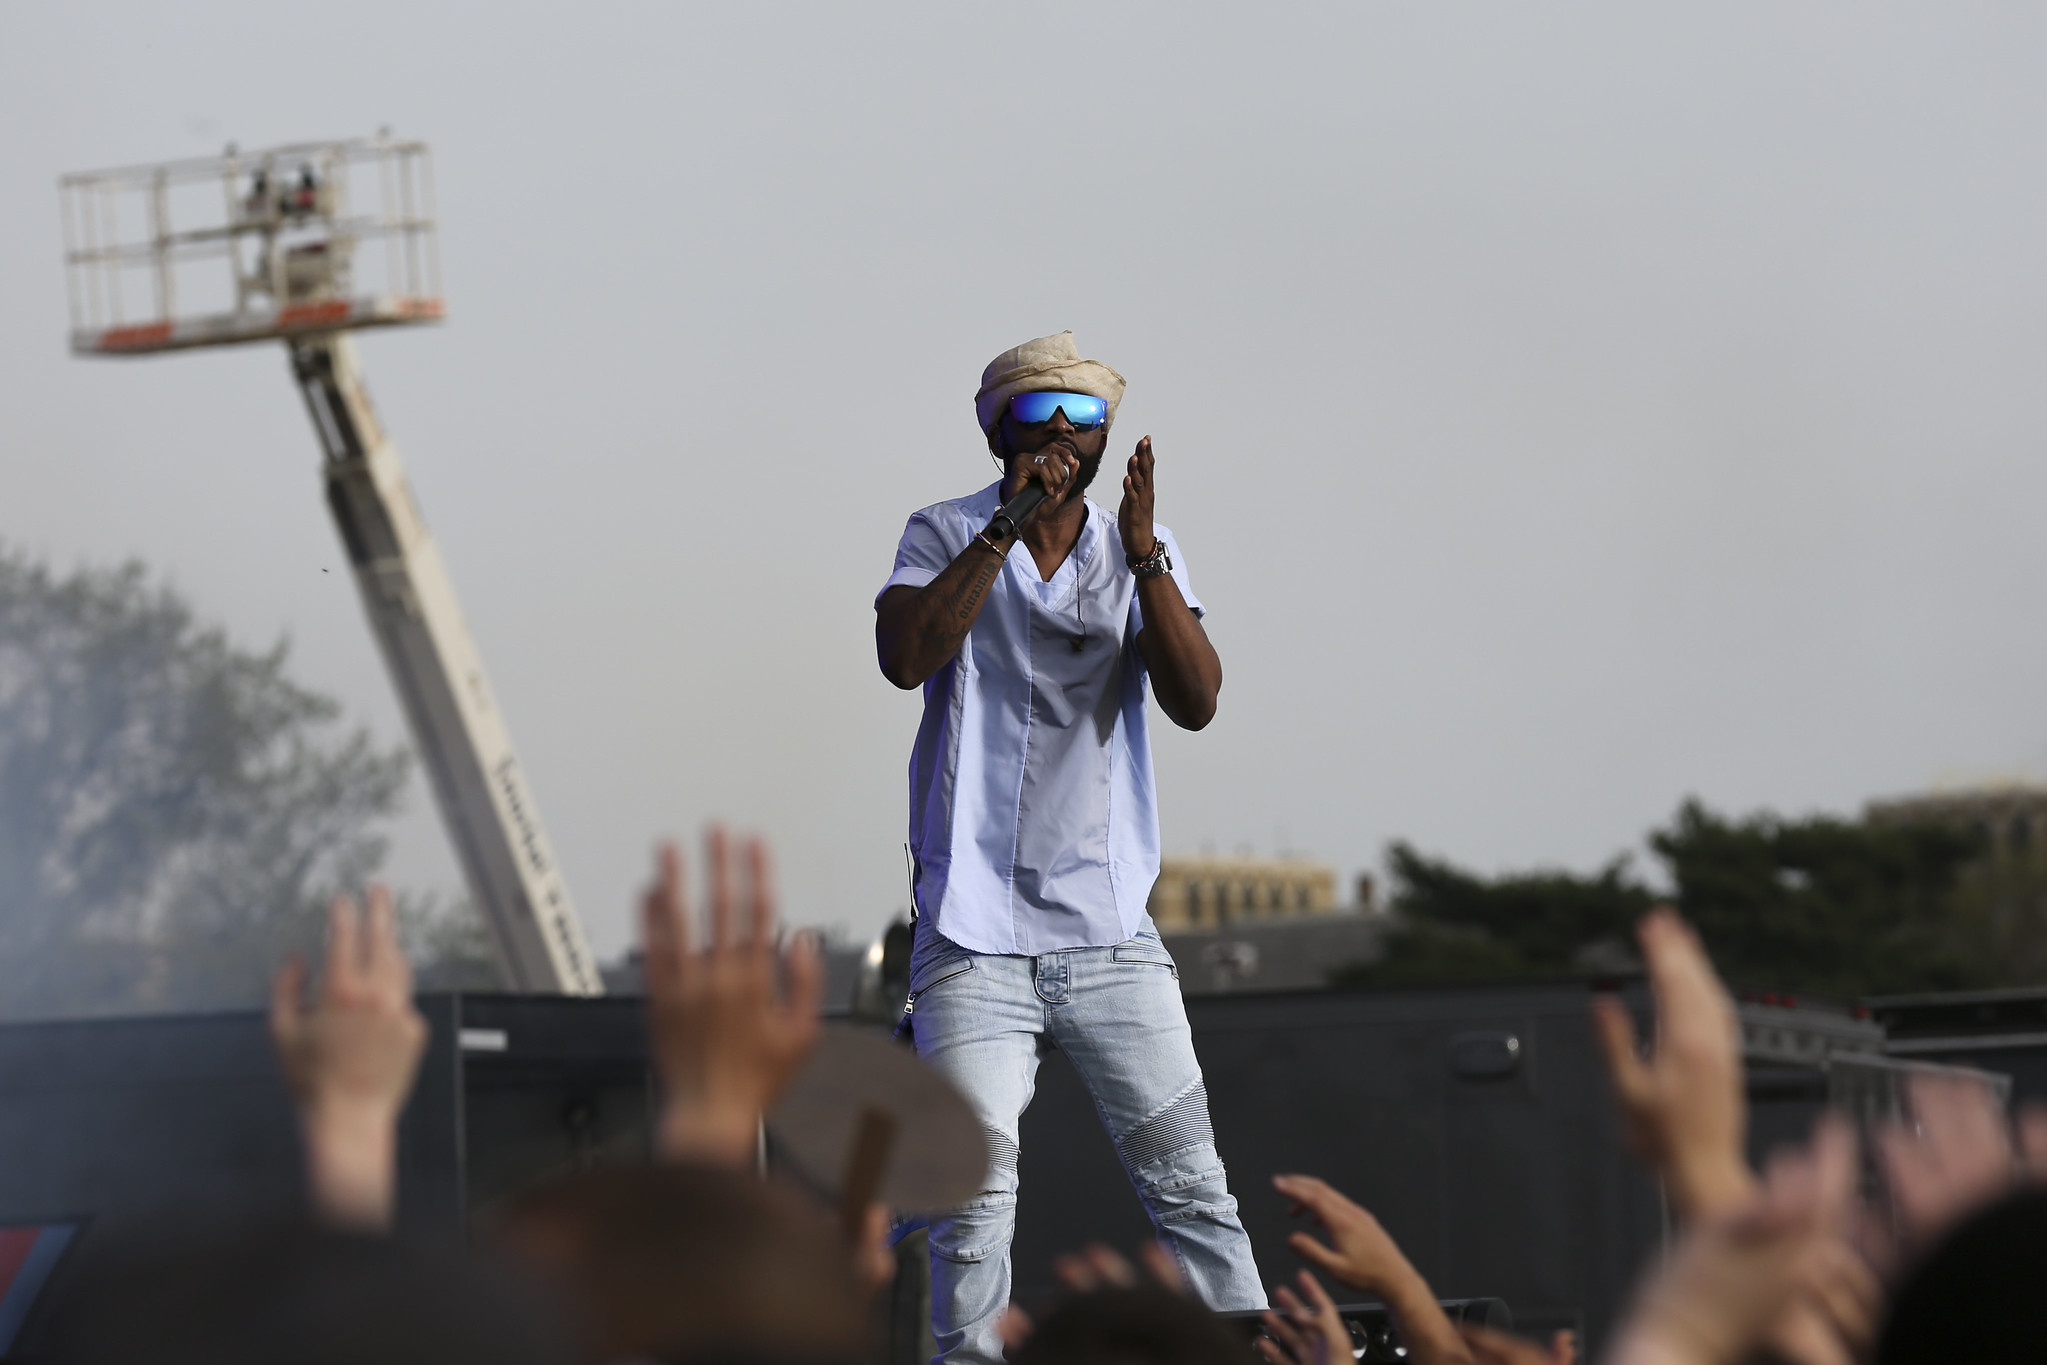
[{"x": 1564, "y": 408}]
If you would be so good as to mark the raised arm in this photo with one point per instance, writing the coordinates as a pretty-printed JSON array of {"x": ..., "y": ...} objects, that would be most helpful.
[
  {"x": 349, "y": 1056},
  {"x": 1683, "y": 1112},
  {"x": 1682, "y": 1108},
  {"x": 1362, "y": 1255},
  {"x": 1186, "y": 673},
  {"x": 730, "y": 1023}
]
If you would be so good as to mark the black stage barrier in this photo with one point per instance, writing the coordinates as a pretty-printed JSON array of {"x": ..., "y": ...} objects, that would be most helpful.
[
  {"x": 1474, "y": 1122},
  {"x": 2000, "y": 1031},
  {"x": 123, "y": 1119}
]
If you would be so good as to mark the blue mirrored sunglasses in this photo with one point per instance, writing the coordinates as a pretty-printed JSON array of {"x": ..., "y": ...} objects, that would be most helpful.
[{"x": 1083, "y": 411}]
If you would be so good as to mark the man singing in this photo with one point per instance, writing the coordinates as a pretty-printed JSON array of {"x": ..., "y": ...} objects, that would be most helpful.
[{"x": 1034, "y": 820}]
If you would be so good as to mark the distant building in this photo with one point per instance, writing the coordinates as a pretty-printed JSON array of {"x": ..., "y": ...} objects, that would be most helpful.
[
  {"x": 1197, "y": 895},
  {"x": 2012, "y": 817}
]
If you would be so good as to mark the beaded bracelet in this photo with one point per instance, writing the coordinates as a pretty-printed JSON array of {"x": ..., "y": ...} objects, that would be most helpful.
[{"x": 1153, "y": 564}]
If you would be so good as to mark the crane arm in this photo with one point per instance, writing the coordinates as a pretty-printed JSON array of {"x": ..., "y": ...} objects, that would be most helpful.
[{"x": 456, "y": 725}]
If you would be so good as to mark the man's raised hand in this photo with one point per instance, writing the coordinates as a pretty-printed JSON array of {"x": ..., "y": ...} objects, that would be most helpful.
[
  {"x": 349, "y": 1057},
  {"x": 1134, "y": 514},
  {"x": 732, "y": 1023}
]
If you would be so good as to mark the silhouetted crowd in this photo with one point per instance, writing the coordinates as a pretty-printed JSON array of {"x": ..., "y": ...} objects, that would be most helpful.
[{"x": 1921, "y": 1241}]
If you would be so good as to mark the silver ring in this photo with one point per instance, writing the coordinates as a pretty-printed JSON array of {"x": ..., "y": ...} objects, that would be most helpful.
[{"x": 1039, "y": 460}]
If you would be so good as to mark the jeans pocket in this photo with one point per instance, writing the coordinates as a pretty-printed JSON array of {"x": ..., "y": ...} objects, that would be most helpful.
[
  {"x": 1143, "y": 952},
  {"x": 964, "y": 1255},
  {"x": 941, "y": 970}
]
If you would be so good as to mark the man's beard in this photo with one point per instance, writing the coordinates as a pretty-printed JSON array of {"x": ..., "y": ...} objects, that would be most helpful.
[{"x": 1090, "y": 465}]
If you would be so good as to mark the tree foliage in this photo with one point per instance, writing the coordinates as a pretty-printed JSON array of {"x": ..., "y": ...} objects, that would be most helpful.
[
  {"x": 174, "y": 811},
  {"x": 1820, "y": 905},
  {"x": 1826, "y": 905}
]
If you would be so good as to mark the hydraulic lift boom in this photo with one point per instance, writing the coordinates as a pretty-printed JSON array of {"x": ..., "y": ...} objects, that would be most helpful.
[
  {"x": 455, "y": 722},
  {"x": 301, "y": 268}
]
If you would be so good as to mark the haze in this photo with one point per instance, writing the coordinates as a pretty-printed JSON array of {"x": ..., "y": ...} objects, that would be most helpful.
[{"x": 1565, "y": 409}]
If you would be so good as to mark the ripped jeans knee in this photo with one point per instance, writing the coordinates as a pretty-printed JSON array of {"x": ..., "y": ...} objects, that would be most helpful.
[
  {"x": 1190, "y": 1184},
  {"x": 976, "y": 1230}
]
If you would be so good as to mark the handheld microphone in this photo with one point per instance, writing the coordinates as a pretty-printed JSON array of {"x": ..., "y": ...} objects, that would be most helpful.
[{"x": 1014, "y": 513}]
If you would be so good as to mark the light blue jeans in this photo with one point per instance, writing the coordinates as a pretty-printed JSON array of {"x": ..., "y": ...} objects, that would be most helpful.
[{"x": 984, "y": 1021}]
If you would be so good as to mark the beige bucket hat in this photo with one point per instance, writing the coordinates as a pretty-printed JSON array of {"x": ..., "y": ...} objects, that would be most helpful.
[{"x": 1052, "y": 362}]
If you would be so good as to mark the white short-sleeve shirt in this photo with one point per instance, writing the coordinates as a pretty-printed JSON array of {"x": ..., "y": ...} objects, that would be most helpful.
[{"x": 1033, "y": 812}]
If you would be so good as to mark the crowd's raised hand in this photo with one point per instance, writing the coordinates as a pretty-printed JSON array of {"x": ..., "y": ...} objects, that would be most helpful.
[
  {"x": 1956, "y": 1155},
  {"x": 1306, "y": 1329},
  {"x": 1736, "y": 1272},
  {"x": 1091, "y": 1270},
  {"x": 1782, "y": 1263},
  {"x": 1682, "y": 1112},
  {"x": 1361, "y": 1255},
  {"x": 1489, "y": 1347},
  {"x": 730, "y": 1023},
  {"x": 1681, "y": 1107},
  {"x": 349, "y": 1056},
  {"x": 1115, "y": 1311}
]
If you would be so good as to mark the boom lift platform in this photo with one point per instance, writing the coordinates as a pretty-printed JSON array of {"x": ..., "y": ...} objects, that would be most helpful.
[{"x": 272, "y": 245}]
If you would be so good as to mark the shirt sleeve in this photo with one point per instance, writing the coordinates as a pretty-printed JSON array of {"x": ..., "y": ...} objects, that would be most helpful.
[
  {"x": 920, "y": 555},
  {"x": 1179, "y": 576}
]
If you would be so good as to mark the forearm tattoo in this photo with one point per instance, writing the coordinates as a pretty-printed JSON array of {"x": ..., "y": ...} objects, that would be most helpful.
[{"x": 971, "y": 591}]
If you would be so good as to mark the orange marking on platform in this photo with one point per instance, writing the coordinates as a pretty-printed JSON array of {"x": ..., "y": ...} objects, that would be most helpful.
[
  {"x": 131, "y": 338},
  {"x": 314, "y": 314}
]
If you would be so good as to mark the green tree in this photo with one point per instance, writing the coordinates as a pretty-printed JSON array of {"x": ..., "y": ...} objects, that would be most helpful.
[
  {"x": 1459, "y": 926},
  {"x": 449, "y": 945},
  {"x": 2000, "y": 905},
  {"x": 1826, "y": 905},
  {"x": 1819, "y": 905},
  {"x": 174, "y": 811}
]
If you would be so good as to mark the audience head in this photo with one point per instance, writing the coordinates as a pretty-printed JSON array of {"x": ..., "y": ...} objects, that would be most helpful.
[
  {"x": 1137, "y": 1325},
  {"x": 672, "y": 1262},
  {"x": 303, "y": 1294},
  {"x": 1977, "y": 1296}
]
